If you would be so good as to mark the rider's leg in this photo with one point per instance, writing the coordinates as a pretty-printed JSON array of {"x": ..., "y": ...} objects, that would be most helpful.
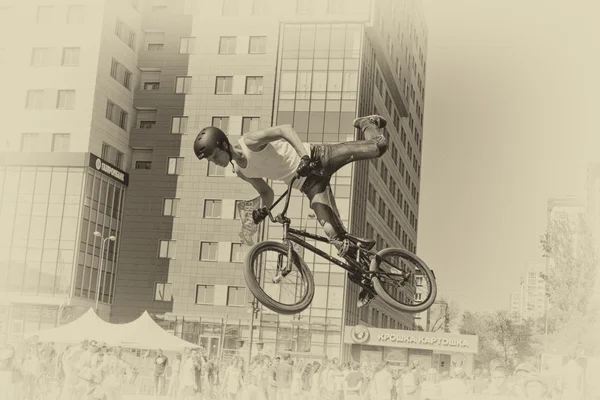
[
  {"x": 322, "y": 202},
  {"x": 335, "y": 155}
]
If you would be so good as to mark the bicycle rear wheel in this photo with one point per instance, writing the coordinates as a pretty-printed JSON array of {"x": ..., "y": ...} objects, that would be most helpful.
[
  {"x": 293, "y": 294},
  {"x": 403, "y": 280}
]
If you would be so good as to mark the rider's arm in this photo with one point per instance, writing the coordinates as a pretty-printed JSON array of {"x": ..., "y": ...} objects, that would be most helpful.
[
  {"x": 262, "y": 187},
  {"x": 257, "y": 140}
]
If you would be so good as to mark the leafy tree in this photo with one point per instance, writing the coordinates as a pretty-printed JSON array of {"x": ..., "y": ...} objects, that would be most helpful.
[
  {"x": 442, "y": 315},
  {"x": 571, "y": 276},
  {"x": 500, "y": 337}
]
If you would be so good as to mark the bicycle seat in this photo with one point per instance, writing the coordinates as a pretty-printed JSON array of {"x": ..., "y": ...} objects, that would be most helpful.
[{"x": 364, "y": 243}]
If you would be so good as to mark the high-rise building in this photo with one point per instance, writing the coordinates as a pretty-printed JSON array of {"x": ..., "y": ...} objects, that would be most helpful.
[
  {"x": 67, "y": 98},
  {"x": 516, "y": 303},
  {"x": 242, "y": 65}
]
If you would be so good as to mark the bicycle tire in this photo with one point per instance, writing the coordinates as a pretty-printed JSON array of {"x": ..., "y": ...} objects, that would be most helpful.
[
  {"x": 379, "y": 289},
  {"x": 255, "y": 288}
]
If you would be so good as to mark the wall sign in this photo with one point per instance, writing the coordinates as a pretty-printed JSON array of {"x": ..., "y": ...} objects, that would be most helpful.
[{"x": 108, "y": 169}]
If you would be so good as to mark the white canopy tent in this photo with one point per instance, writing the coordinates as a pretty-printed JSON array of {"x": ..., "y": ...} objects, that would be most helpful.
[{"x": 143, "y": 333}]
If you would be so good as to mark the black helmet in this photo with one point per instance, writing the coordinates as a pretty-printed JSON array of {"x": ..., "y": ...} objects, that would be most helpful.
[{"x": 209, "y": 139}]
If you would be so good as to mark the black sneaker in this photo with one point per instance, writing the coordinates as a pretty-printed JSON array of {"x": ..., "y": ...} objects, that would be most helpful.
[
  {"x": 377, "y": 120},
  {"x": 364, "y": 298}
]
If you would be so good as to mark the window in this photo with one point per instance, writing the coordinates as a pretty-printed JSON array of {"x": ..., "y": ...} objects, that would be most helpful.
[
  {"x": 75, "y": 15},
  {"x": 179, "y": 124},
  {"x": 155, "y": 46},
  {"x": 163, "y": 291},
  {"x": 236, "y": 296},
  {"x": 65, "y": 100},
  {"x": 227, "y": 44},
  {"x": 120, "y": 73},
  {"x": 254, "y": 85},
  {"x": 143, "y": 165},
  {"x": 258, "y": 45},
  {"x": 187, "y": 45},
  {"x": 151, "y": 85},
  {"x": 35, "y": 100},
  {"x": 147, "y": 124},
  {"x": 183, "y": 84},
  {"x": 215, "y": 170},
  {"x": 250, "y": 124},
  {"x": 167, "y": 249},
  {"x": 29, "y": 142},
  {"x": 304, "y": 6},
  {"x": 40, "y": 57},
  {"x": 224, "y": 85},
  {"x": 116, "y": 115},
  {"x": 125, "y": 33},
  {"x": 212, "y": 208},
  {"x": 44, "y": 14},
  {"x": 208, "y": 251},
  {"x": 205, "y": 294},
  {"x": 146, "y": 119},
  {"x": 259, "y": 7},
  {"x": 171, "y": 207},
  {"x": 70, "y": 57},
  {"x": 230, "y": 7},
  {"x": 237, "y": 254},
  {"x": 236, "y": 214},
  {"x": 174, "y": 165},
  {"x": 60, "y": 142},
  {"x": 221, "y": 122}
]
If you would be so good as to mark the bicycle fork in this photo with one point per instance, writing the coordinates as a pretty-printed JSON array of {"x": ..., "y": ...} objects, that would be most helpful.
[{"x": 282, "y": 271}]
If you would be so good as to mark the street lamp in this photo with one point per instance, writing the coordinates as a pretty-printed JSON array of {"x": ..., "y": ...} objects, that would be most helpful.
[{"x": 112, "y": 239}]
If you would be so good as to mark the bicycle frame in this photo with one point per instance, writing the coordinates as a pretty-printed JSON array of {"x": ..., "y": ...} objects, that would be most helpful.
[{"x": 295, "y": 235}]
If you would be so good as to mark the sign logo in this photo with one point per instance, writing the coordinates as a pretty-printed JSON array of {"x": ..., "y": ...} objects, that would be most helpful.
[
  {"x": 360, "y": 334},
  {"x": 108, "y": 169}
]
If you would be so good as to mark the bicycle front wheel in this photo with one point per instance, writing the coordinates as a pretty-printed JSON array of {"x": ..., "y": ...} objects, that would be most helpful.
[
  {"x": 403, "y": 280},
  {"x": 293, "y": 293}
]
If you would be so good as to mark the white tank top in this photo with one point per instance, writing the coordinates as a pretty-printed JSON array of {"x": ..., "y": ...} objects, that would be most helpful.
[{"x": 277, "y": 161}]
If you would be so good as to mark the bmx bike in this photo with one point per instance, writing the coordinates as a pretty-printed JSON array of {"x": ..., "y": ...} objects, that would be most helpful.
[{"x": 281, "y": 281}]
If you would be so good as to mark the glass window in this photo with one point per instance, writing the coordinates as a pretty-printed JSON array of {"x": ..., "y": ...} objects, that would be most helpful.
[
  {"x": 35, "y": 100},
  {"x": 174, "y": 165},
  {"x": 304, "y": 81},
  {"x": 227, "y": 44},
  {"x": 212, "y": 208},
  {"x": 288, "y": 81},
  {"x": 70, "y": 57},
  {"x": 171, "y": 207},
  {"x": 163, "y": 291},
  {"x": 167, "y": 249},
  {"x": 29, "y": 142},
  {"x": 221, "y": 123},
  {"x": 319, "y": 83},
  {"x": 236, "y": 296},
  {"x": 75, "y": 14},
  {"x": 258, "y": 45},
  {"x": 250, "y": 124},
  {"x": 187, "y": 45},
  {"x": 40, "y": 57},
  {"x": 183, "y": 84},
  {"x": 179, "y": 124},
  {"x": 66, "y": 100},
  {"x": 254, "y": 85},
  {"x": 224, "y": 85},
  {"x": 215, "y": 170},
  {"x": 205, "y": 294},
  {"x": 60, "y": 142},
  {"x": 334, "y": 82},
  {"x": 237, "y": 253},
  {"x": 208, "y": 251}
]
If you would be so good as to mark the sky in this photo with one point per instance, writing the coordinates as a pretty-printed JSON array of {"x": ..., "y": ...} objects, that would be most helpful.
[{"x": 510, "y": 120}]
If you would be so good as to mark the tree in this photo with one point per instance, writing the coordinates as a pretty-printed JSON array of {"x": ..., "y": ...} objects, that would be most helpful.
[
  {"x": 442, "y": 315},
  {"x": 500, "y": 337},
  {"x": 571, "y": 276}
]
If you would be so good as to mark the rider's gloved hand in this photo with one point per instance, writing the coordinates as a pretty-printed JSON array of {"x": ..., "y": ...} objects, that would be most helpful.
[
  {"x": 304, "y": 167},
  {"x": 259, "y": 214}
]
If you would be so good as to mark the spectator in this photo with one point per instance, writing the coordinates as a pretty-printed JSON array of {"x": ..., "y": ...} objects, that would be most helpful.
[
  {"x": 272, "y": 392},
  {"x": 383, "y": 383},
  {"x": 456, "y": 386},
  {"x": 430, "y": 388},
  {"x": 315, "y": 382},
  {"x": 160, "y": 365},
  {"x": 353, "y": 383},
  {"x": 409, "y": 384},
  {"x": 535, "y": 387},
  {"x": 572, "y": 379},
  {"x": 522, "y": 372},
  {"x": 233, "y": 379},
  {"x": 498, "y": 385},
  {"x": 174, "y": 378},
  {"x": 187, "y": 379},
  {"x": 284, "y": 378},
  {"x": 479, "y": 382}
]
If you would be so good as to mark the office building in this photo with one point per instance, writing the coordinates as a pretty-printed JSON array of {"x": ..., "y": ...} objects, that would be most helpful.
[
  {"x": 242, "y": 65},
  {"x": 68, "y": 89}
]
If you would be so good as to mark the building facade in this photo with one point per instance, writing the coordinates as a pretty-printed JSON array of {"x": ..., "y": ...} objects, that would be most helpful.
[
  {"x": 245, "y": 65},
  {"x": 63, "y": 156}
]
